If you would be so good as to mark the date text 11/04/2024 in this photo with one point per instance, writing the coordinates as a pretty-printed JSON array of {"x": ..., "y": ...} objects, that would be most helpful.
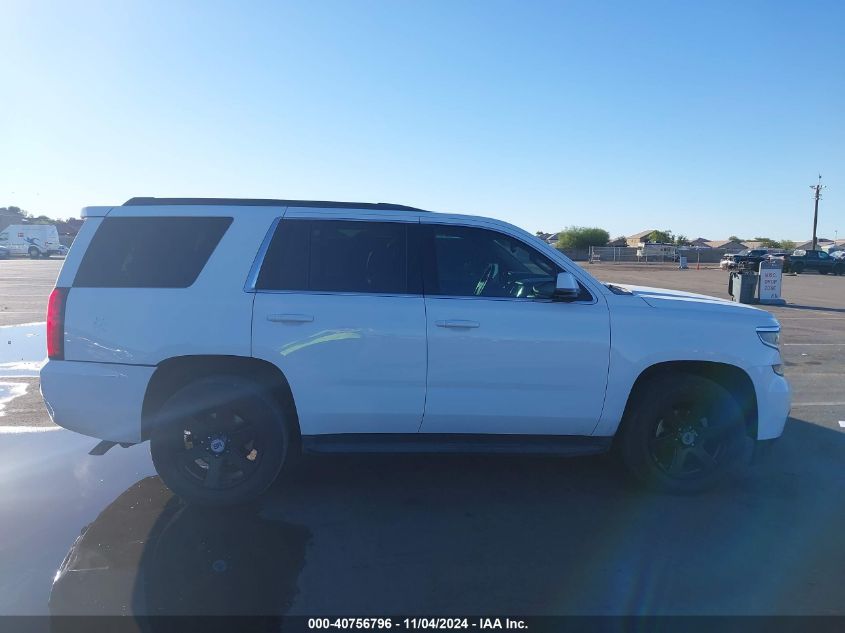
[{"x": 417, "y": 623}]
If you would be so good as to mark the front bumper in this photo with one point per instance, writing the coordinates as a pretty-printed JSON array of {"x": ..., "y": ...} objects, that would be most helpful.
[
  {"x": 102, "y": 400},
  {"x": 774, "y": 399}
]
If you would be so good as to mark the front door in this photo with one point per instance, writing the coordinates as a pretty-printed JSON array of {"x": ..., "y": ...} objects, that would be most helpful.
[{"x": 502, "y": 356}]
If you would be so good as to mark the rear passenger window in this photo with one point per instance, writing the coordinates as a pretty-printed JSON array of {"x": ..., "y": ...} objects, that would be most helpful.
[
  {"x": 337, "y": 256},
  {"x": 149, "y": 252}
]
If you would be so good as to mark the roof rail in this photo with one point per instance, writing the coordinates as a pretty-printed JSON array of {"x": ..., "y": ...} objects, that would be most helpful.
[{"x": 265, "y": 202}]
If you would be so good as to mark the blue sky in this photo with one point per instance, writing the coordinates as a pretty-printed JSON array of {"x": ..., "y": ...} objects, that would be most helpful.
[{"x": 707, "y": 118}]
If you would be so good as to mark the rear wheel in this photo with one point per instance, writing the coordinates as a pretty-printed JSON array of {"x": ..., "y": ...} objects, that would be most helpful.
[
  {"x": 685, "y": 434},
  {"x": 221, "y": 440},
  {"x": 798, "y": 268}
]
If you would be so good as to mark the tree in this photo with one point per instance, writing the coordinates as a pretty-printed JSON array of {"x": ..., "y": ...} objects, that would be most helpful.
[
  {"x": 788, "y": 245},
  {"x": 681, "y": 240},
  {"x": 661, "y": 237},
  {"x": 12, "y": 215},
  {"x": 733, "y": 238},
  {"x": 767, "y": 242},
  {"x": 582, "y": 237}
]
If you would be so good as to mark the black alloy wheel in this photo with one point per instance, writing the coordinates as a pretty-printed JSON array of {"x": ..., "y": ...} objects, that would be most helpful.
[
  {"x": 685, "y": 443},
  {"x": 219, "y": 441},
  {"x": 683, "y": 433}
]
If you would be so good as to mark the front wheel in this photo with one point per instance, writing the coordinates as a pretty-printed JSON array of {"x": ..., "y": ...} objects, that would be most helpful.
[
  {"x": 839, "y": 269},
  {"x": 34, "y": 253},
  {"x": 220, "y": 441},
  {"x": 685, "y": 434}
]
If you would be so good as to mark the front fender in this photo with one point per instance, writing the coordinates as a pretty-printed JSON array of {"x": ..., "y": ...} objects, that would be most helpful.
[{"x": 643, "y": 336}]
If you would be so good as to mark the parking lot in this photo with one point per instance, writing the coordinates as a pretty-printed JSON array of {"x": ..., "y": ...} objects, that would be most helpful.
[{"x": 432, "y": 535}]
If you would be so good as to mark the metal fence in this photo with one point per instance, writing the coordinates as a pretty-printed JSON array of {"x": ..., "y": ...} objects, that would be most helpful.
[{"x": 626, "y": 254}]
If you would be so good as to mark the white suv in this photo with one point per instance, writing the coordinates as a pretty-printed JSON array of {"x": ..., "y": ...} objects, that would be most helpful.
[{"x": 235, "y": 334}]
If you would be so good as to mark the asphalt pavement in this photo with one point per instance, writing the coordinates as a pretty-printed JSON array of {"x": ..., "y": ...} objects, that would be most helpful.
[{"x": 445, "y": 535}]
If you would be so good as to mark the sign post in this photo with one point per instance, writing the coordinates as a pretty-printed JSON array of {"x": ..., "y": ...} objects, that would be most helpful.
[{"x": 769, "y": 283}]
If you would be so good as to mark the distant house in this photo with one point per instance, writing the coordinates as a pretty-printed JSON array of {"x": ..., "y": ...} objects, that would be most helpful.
[
  {"x": 637, "y": 239},
  {"x": 838, "y": 245},
  {"x": 700, "y": 242},
  {"x": 728, "y": 245},
  {"x": 549, "y": 238},
  {"x": 753, "y": 244},
  {"x": 619, "y": 241},
  {"x": 821, "y": 242}
]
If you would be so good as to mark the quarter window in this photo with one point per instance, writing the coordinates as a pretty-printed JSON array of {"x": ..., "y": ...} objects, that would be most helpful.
[{"x": 153, "y": 252}]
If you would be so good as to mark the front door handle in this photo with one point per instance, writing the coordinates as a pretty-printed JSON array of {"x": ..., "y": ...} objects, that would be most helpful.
[
  {"x": 457, "y": 323},
  {"x": 290, "y": 318}
]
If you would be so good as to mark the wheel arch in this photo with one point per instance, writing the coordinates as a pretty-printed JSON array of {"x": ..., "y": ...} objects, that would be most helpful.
[
  {"x": 734, "y": 379},
  {"x": 174, "y": 373}
]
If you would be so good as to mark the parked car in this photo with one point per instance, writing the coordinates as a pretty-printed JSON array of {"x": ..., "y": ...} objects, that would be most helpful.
[
  {"x": 837, "y": 254},
  {"x": 35, "y": 240},
  {"x": 746, "y": 258},
  {"x": 236, "y": 334},
  {"x": 782, "y": 256},
  {"x": 801, "y": 261}
]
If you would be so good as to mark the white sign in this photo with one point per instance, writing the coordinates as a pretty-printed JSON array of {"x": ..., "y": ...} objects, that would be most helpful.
[{"x": 771, "y": 275}]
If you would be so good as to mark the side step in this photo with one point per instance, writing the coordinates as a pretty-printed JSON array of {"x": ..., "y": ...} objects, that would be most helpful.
[{"x": 438, "y": 443}]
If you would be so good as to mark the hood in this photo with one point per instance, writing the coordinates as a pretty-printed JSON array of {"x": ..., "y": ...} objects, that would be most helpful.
[{"x": 679, "y": 299}]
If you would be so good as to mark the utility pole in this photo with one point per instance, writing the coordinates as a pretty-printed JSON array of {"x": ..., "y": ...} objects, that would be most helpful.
[{"x": 817, "y": 194}]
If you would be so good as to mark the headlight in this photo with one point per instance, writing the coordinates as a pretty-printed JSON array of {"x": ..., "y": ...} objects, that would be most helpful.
[{"x": 769, "y": 336}]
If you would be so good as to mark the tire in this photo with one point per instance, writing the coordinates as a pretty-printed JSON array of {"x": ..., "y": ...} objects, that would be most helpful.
[
  {"x": 221, "y": 440},
  {"x": 798, "y": 268},
  {"x": 839, "y": 269},
  {"x": 823, "y": 271},
  {"x": 685, "y": 434},
  {"x": 34, "y": 253}
]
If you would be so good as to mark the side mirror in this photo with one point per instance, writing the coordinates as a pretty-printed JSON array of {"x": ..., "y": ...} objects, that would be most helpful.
[{"x": 566, "y": 287}]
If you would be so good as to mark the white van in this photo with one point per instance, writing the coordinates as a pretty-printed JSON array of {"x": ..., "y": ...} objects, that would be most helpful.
[{"x": 35, "y": 240}]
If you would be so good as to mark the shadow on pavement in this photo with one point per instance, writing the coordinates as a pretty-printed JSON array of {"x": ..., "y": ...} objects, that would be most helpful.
[
  {"x": 480, "y": 535},
  {"x": 797, "y": 306}
]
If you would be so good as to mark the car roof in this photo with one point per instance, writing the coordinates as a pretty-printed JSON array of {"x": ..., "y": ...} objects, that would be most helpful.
[{"x": 268, "y": 202}]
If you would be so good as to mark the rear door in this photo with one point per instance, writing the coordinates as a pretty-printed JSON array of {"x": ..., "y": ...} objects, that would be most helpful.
[
  {"x": 503, "y": 357},
  {"x": 339, "y": 309}
]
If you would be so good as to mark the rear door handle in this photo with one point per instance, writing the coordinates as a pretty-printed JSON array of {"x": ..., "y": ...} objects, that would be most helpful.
[
  {"x": 290, "y": 318},
  {"x": 457, "y": 323}
]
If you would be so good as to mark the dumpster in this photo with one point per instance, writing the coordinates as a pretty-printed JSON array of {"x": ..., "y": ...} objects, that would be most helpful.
[{"x": 742, "y": 286}]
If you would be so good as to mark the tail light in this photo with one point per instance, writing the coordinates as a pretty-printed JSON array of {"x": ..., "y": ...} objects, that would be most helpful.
[{"x": 56, "y": 323}]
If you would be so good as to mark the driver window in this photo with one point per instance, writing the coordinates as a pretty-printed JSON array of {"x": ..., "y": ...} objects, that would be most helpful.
[{"x": 474, "y": 262}]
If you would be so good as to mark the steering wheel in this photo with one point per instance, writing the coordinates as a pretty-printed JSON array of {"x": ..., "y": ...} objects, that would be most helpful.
[{"x": 489, "y": 273}]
